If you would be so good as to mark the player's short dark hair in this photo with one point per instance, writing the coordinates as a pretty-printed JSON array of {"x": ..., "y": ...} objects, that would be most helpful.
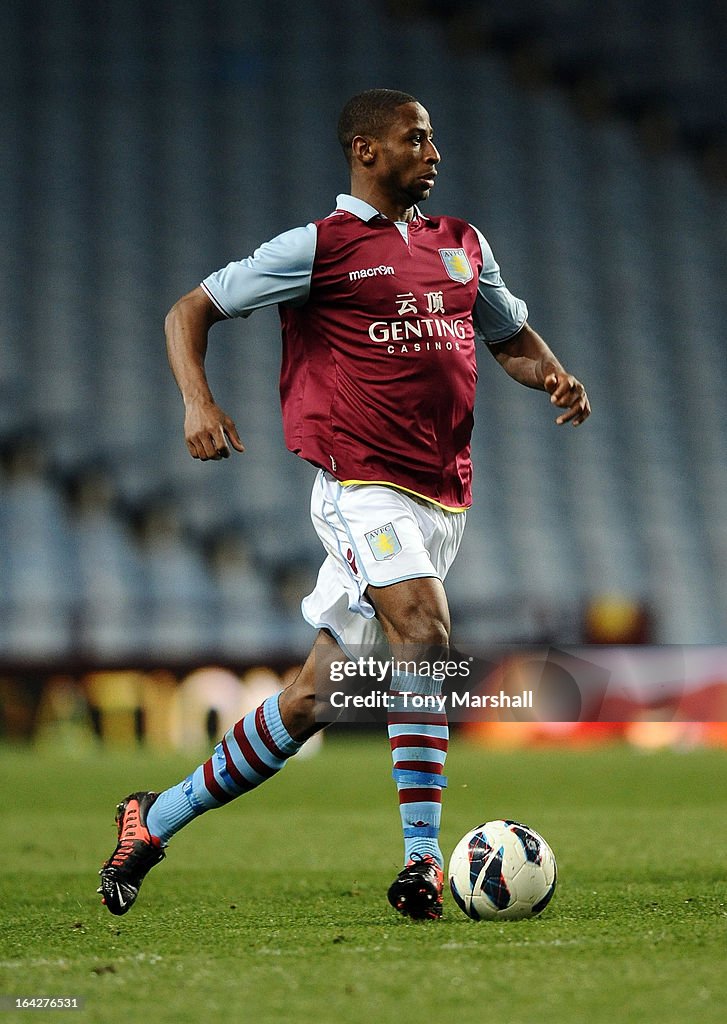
[{"x": 369, "y": 113}]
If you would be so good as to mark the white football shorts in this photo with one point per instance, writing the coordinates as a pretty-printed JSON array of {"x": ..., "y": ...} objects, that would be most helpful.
[{"x": 372, "y": 535}]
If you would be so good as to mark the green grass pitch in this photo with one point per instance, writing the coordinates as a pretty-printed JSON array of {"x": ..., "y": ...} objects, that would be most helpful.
[{"x": 273, "y": 909}]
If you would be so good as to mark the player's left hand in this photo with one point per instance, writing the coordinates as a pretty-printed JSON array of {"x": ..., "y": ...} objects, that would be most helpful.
[{"x": 568, "y": 393}]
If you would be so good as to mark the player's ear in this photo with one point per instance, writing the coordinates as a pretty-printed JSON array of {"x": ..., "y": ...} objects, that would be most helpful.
[{"x": 362, "y": 150}]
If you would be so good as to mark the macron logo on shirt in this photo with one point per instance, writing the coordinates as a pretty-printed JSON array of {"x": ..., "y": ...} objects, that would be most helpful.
[{"x": 356, "y": 275}]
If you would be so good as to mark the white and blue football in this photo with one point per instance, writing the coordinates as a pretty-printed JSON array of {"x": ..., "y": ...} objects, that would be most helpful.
[{"x": 502, "y": 870}]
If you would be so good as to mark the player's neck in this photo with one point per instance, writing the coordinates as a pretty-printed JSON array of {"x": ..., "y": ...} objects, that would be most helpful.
[{"x": 387, "y": 205}]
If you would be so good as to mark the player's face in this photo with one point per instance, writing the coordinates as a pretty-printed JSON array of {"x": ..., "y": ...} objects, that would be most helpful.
[{"x": 408, "y": 158}]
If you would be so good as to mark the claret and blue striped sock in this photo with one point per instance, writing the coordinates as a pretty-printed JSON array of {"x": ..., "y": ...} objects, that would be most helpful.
[
  {"x": 419, "y": 738},
  {"x": 252, "y": 751}
]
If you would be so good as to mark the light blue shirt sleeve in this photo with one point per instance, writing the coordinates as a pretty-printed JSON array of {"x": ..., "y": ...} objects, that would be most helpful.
[
  {"x": 279, "y": 271},
  {"x": 497, "y": 313}
]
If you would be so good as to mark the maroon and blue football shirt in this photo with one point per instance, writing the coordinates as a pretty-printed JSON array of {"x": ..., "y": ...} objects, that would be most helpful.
[{"x": 379, "y": 321}]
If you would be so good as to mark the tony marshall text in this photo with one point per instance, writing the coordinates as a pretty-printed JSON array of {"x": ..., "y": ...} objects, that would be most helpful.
[{"x": 432, "y": 702}]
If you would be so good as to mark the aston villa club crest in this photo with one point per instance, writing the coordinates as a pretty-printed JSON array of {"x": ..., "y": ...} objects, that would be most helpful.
[
  {"x": 383, "y": 542},
  {"x": 457, "y": 265}
]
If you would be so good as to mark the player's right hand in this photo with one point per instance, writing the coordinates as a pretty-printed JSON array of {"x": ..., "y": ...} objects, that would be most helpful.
[
  {"x": 209, "y": 432},
  {"x": 568, "y": 393}
]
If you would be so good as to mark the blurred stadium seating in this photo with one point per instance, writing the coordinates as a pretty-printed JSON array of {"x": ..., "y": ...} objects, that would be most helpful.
[{"x": 147, "y": 145}]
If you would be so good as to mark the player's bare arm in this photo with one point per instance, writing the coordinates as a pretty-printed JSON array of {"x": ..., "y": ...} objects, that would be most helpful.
[
  {"x": 527, "y": 359},
  {"x": 208, "y": 430}
]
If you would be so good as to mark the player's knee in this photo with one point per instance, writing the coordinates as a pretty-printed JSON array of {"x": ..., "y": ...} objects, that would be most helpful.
[
  {"x": 421, "y": 629},
  {"x": 433, "y": 632}
]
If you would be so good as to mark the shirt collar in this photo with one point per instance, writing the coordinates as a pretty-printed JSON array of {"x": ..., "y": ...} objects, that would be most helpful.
[{"x": 363, "y": 210}]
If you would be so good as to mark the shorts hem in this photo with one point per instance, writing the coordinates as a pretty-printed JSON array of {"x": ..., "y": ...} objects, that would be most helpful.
[
  {"x": 403, "y": 579},
  {"x": 336, "y": 636}
]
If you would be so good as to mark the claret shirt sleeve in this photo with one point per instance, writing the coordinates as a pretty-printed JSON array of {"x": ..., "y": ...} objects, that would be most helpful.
[
  {"x": 279, "y": 271},
  {"x": 497, "y": 313}
]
